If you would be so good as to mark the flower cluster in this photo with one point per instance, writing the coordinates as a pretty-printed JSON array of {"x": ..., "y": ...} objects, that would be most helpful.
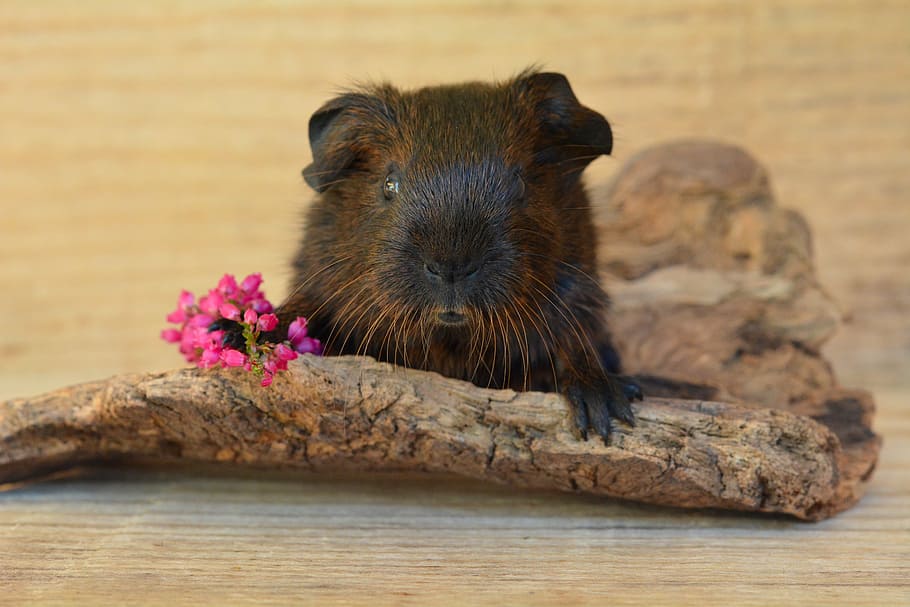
[{"x": 202, "y": 329}]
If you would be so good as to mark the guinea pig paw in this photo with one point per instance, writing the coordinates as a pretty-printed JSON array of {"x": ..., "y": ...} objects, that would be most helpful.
[
  {"x": 233, "y": 333},
  {"x": 594, "y": 405}
]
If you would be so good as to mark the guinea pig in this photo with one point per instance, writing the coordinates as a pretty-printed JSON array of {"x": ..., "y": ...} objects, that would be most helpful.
[{"x": 452, "y": 233}]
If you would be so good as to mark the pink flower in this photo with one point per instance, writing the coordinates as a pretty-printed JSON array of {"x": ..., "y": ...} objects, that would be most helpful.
[
  {"x": 227, "y": 286},
  {"x": 284, "y": 353},
  {"x": 250, "y": 317},
  {"x": 211, "y": 302},
  {"x": 233, "y": 358},
  {"x": 171, "y": 336},
  {"x": 267, "y": 322},
  {"x": 177, "y": 316},
  {"x": 251, "y": 283},
  {"x": 229, "y": 311},
  {"x": 188, "y": 339},
  {"x": 206, "y": 346},
  {"x": 201, "y": 320},
  {"x": 210, "y": 358},
  {"x": 243, "y": 303},
  {"x": 208, "y": 341},
  {"x": 187, "y": 348},
  {"x": 186, "y": 300},
  {"x": 297, "y": 330},
  {"x": 309, "y": 345},
  {"x": 261, "y": 305}
]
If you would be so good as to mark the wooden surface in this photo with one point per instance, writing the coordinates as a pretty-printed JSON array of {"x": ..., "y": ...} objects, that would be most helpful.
[{"x": 147, "y": 148}]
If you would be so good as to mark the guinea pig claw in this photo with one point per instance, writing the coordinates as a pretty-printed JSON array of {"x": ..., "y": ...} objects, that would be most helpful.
[
  {"x": 595, "y": 405},
  {"x": 630, "y": 388},
  {"x": 579, "y": 410}
]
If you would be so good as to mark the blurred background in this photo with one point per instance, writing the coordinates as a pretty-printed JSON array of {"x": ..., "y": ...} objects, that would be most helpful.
[{"x": 149, "y": 147}]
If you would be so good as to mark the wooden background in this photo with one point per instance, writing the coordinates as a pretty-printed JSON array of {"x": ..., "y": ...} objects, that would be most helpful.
[{"x": 149, "y": 147}]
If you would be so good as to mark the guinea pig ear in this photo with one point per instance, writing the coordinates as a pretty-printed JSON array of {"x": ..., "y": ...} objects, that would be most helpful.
[
  {"x": 571, "y": 133},
  {"x": 333, "y": 131}
]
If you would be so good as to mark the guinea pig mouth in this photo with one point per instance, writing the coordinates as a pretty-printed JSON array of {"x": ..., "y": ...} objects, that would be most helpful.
[{"x": 451, "y": 317}]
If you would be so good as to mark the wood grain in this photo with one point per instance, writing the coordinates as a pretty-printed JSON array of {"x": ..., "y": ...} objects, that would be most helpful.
[{"x": 140, "y": 140}]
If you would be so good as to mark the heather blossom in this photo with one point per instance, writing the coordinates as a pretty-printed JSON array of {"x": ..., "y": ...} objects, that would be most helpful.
[{"x": 246, "y": 305}]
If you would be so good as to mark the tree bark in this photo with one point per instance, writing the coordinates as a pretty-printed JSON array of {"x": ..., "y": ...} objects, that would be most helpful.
[
  {"x": 357, "y": 414},
  {"x": 713, "y": 285}
]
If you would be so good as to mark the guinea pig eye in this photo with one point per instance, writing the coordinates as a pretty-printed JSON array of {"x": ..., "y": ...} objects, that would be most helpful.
[{"x": 390, "y": 186}]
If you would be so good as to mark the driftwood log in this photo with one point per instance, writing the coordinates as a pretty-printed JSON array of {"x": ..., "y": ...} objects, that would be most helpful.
[{"x": 714, "y": 294}]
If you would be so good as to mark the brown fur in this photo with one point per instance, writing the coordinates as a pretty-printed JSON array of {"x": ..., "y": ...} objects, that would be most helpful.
[{"x": 491, "y": 222}]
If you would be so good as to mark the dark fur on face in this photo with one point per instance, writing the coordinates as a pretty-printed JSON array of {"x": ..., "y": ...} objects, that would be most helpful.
[{"x": 452, "y": 233}]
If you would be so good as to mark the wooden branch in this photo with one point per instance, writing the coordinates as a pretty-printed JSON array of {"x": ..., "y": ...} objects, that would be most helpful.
[
  {"x": 354, "y": 413},
  {"x": 713, "y": 285}
]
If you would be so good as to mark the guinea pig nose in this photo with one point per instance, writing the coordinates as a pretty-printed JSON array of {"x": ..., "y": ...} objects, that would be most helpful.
[{"x": 450, "y": 271}]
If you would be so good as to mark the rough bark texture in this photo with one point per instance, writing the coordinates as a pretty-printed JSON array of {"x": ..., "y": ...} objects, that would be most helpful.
[{"x": 713, "y": 284}]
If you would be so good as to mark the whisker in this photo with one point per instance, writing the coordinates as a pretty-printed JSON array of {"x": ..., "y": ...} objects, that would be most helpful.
[
  {"x": 526, "y": 354},
  {"x": 495, "y": 343},
  {"x": 309, "y": 278},
  {"x": 479, "y": 344},
  {"x": 337, "y": 293},
  {"x": 574, "y": 268},
  {"x": 571, "y": 320},
  {"x": 552, "y": 338},
  {"x": 583, "y": 339},
  {"x": 361, "y": 307},
  {"x": 506, "y": 350},
  {"x": 383, "y": 345}
]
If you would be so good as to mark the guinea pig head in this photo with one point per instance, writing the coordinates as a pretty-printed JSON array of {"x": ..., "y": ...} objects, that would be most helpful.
[{"x": 458, "y": 201}]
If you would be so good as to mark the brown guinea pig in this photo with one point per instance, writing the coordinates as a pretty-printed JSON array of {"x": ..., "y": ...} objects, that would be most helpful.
[{"x": 452, "y": 233}]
